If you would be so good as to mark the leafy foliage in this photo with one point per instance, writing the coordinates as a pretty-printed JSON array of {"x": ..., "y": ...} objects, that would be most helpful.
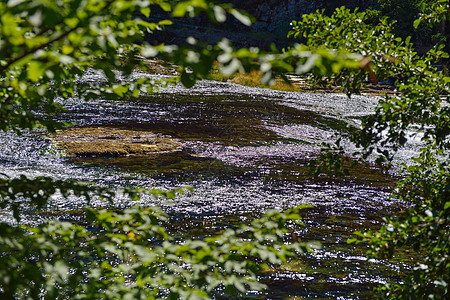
[
  {"x": 404, "y": 13},
  {"x": 433, "y": 12},
  {"x": 423, "y": 227},
  {"x": 419, "y": 109},
  {"x": 346, "y": 31},
  {"x": 129, "y": 254},
  {"x": 387, "y": 58}
]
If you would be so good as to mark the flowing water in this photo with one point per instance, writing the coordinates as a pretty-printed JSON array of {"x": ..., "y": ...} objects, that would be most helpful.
[{"x": 245, "y": 150}]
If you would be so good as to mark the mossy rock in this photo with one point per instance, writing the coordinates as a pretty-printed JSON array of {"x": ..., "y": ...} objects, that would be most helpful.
[{"x": 111, "y": 142}]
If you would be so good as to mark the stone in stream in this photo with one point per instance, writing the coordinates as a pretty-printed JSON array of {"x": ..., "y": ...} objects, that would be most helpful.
[{"x": 112, "y": 142}]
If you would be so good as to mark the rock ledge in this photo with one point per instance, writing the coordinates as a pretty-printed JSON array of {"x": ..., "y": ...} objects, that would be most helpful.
[{"x": 112, "y": 142}]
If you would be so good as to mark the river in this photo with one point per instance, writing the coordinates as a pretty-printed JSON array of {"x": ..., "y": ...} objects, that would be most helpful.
[{"x": 245, "y": 150}]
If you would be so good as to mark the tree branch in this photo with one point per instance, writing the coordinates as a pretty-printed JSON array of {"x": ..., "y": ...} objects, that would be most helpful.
[
  {"x": 44, "y": 45},
  {"x": 31, "y": 51}
]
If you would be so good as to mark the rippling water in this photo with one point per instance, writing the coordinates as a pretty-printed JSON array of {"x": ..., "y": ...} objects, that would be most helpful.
[{"x": 245, "y": 150}]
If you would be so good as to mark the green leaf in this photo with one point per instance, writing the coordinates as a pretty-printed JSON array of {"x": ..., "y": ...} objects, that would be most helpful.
[
  {"x": 165, "y": 6},
  {"x": 149, "y": 51},
  {"x": 61, "y": 269},
  {"x": 308, "y": 65},
  {"x": 71, "y": 22},
  {"x": 146, "y": 11},
  {"x": 219, "y": 14},
  {"x": 187, "y": 79},
  {"x": 180, "y": 9},
  {"x": 165, "y": 22},
  {"x": 239, "y": 286},
  {"x": 241, "y": 17},
  {"x": 232, "y": 67},
  {"x": 35, "y": 70},
  {"x": 149, "y": 25},
  {"x": 447, "y": 205},
  {"x": 408, "y": 40},
  {"x": 120, "y": 90},
  {"x": 36, "y": 19}
]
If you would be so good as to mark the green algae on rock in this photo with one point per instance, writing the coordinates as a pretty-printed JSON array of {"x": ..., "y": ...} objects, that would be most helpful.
[{"x": 112, "y": 142}]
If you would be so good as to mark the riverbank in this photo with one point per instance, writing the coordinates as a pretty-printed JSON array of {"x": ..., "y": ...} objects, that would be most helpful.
[{"x": 294, "y": 83}]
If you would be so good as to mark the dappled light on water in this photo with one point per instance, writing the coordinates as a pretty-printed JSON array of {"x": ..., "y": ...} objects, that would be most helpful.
[{"x": 244, "y": 150}]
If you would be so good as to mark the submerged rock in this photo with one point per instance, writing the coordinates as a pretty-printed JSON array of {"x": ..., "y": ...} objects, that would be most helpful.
[{"x": 112, "y": 142}]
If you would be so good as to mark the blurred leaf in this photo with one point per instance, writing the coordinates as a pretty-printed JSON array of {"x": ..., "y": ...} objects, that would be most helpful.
[{"x": 241, "y": 17}]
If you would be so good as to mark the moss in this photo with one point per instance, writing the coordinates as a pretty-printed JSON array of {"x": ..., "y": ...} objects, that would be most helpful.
[{"x": 110, "y": 142}]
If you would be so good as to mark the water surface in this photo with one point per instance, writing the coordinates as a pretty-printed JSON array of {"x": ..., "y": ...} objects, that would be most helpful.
[{"x": 245, "y": 150}]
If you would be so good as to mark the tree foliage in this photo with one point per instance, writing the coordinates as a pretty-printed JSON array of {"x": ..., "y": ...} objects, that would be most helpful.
[
  {"x": 386, "y": 57},
  {"x": 129, "y": 254},
  {"x": 404, "y": 13},
  {"x": 418, "y": 110}
]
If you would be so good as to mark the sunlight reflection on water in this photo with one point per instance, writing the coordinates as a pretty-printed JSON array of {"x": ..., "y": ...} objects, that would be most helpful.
[{"x": 245, "y": 150}]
